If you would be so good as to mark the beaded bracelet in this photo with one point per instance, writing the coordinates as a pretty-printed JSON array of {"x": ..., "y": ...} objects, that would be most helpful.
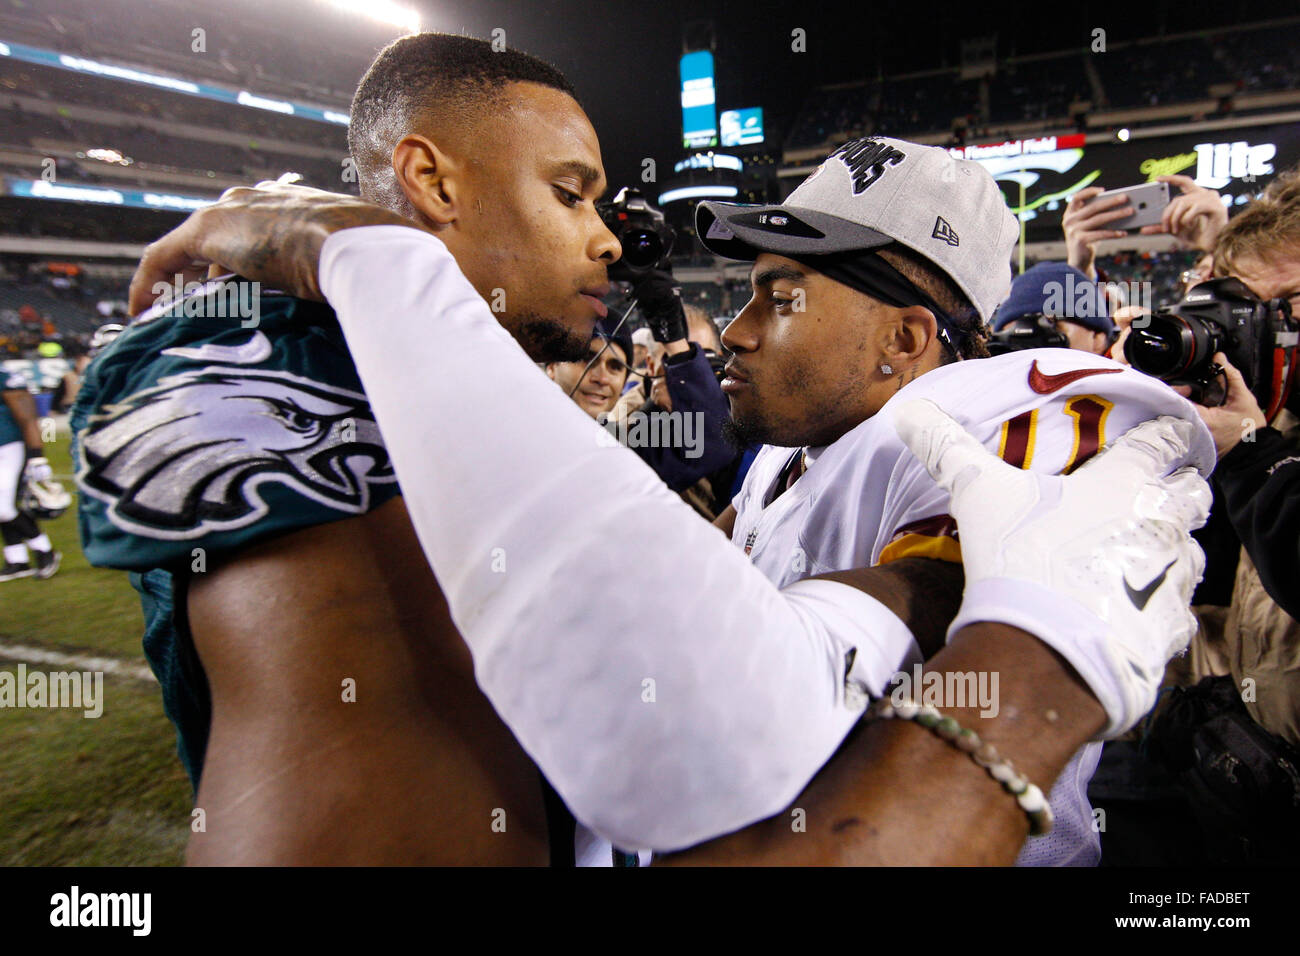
[{"x": 1029, "y": 797}]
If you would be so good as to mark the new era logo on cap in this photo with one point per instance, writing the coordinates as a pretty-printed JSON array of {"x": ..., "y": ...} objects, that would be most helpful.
[
  {"x": 944, "y": 231},
  {"x": 874, "y": 191}
]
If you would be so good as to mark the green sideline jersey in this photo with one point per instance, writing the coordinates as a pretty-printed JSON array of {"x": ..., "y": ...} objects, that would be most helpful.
[
  {"x": 9, "y": 430},
  {"x": 214, "y": 433}
]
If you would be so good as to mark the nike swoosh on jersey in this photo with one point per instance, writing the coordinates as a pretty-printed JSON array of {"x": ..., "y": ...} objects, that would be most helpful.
[
  {"x": 1140, "y": 598},
  {"x": 1045, "y": 384},
  {"x": 257, "y": 349}
]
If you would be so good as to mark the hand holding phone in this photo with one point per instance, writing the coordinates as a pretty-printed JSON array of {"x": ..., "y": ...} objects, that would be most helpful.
[
  {"x": 1146, "y": 202},
  {"x": 1090, "y": 217},
  {"x": 1195, "y": 217}
]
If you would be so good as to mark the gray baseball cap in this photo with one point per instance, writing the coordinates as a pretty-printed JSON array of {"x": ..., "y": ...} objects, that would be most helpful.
[{"x": 874, "y": 191}]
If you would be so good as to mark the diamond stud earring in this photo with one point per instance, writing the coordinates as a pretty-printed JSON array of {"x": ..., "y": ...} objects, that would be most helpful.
[{"x": 887, "y": 369}]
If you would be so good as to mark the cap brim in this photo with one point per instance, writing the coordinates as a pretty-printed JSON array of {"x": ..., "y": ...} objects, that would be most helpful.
[{"x": 738, "y": 231}]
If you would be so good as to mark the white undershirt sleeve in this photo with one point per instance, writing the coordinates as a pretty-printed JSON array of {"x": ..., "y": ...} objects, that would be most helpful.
[{"x": 666, "y": 688}]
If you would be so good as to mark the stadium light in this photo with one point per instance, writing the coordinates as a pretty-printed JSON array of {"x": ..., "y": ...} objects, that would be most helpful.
[
  {"x": 1122, "y": 135},
  {"x": 107, "y": 156},
  {"x": 384, "y": 10},
  {"x": 698, "y": 192}
]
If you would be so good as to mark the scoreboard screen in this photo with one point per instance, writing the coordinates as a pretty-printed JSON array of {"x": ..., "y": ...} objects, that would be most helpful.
[
  {"x": 699, "y": 101},
  {"x": 742, "y": 127}
]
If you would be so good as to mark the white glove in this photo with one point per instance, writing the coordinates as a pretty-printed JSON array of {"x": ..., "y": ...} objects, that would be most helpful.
[
  {"x": 1099, "y": 565},
  {"x": 37, "y": 469}
]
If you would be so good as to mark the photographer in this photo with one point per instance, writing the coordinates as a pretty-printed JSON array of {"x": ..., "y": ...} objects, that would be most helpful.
[
  {"x": 681, "y": 439},
  {"x": 678, "y": 384},
  {"x": 678, "y": 431},
  {"x": 1054, "y": 305},
  {"x": 1257, "y": 474},
  {"x": 1249, "y": 408},
  {"x": 1227, "y": 734},
  {"x": 691, "y": 403}
]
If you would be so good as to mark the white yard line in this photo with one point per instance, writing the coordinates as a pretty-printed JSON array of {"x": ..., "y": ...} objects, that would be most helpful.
[{"x": 81, "y": 662}]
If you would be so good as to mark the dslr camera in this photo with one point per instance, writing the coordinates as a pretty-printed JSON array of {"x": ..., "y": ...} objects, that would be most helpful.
[
  {"x": 642, "y": 231},
  {"x": 1027, "y": 332},
  {"x": 1178, "y": 342}
]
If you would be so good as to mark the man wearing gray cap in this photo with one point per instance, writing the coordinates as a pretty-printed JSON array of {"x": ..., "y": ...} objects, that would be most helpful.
[
  {"x": 883, "y": 267},
  {"x": 717, "y": 711}
]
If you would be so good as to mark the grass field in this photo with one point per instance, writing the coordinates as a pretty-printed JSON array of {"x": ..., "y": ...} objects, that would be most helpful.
[{"x": 76, "y": 790}]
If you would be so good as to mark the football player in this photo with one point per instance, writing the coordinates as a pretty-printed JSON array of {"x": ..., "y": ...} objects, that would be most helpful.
[
  {"x": 325, "y": 704},
  {"x": 753, "y": 688},
  {"x": 27, "y": 550}
]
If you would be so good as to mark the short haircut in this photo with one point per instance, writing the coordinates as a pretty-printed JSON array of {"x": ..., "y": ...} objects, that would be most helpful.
[
  {"x": 1266, "y": 229},
  {"x": 947, "y": 295},
  {"x": 434, "y": 83}
]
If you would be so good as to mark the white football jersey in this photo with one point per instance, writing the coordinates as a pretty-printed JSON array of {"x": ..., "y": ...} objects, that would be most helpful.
[{"x": 866, "y": 499}]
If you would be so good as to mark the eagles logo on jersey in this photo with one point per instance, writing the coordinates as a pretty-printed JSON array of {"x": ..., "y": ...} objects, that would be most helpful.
[
  {"x": 194, "y": 430},
  {"x": 189, "y": 455}
]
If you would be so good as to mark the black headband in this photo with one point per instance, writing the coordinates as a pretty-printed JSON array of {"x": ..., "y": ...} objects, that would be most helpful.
[{"x": 866, "y": 272}]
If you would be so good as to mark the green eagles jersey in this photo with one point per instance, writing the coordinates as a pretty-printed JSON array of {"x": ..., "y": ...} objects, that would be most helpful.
[
  {"x": 197, "y": 432},
  {"x": 9, "y": 430}
]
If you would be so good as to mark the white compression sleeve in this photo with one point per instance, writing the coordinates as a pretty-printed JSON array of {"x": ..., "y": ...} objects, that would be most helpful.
[{"x": 684, "y": 703}]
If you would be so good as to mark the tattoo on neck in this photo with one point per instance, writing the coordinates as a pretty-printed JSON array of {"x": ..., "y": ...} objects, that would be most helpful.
[{"x": 906, "y": 377}]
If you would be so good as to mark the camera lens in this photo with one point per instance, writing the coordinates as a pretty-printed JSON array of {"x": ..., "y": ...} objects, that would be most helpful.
[
  {"x": 641, "y": 248},
  {"x": 1172, "y": 346},
  {"x": 1149, "y": 351}
]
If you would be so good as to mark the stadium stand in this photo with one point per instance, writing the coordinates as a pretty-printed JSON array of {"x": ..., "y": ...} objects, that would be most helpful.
[
  {"x": 1022, "y": 93},
  {"x": 74, "y": 301},
  {"x": 1259, "y": 61},
  {"x": 167, "y": 133},
  {"x": 244, "y": 43},
  {"x": 923, "y": 103},
  {"x": 1189, "y": 68},
  {"x": 196, "y": 147}
]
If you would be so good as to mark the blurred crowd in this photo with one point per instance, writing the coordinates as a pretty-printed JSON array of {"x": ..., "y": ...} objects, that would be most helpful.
[
  {"x": 1213, "y": 774},
  {"x": 1205, "y": 65}
]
